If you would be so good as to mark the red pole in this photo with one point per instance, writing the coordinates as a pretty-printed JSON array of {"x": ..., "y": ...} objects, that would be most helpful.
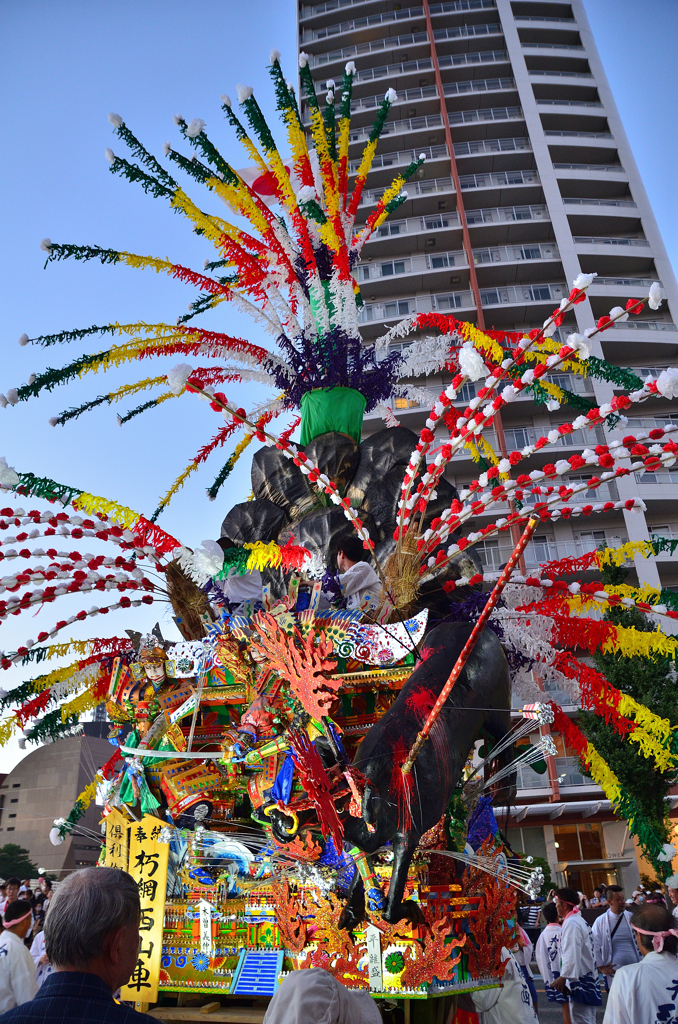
[{"x": 469, "y": 645}]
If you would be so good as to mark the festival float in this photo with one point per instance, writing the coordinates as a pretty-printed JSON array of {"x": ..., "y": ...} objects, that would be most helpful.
[{"x": 304, "y": 780}]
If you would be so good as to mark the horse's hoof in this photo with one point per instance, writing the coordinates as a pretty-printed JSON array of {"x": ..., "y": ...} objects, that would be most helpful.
[{"x": 406, "y": 911}]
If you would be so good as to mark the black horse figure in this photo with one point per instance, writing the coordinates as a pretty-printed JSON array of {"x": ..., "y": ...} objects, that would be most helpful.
[{"x": 399, "y": 810}]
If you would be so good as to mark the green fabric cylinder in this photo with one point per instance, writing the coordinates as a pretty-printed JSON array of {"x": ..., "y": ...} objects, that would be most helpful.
[{"x": 327, "y": 409}]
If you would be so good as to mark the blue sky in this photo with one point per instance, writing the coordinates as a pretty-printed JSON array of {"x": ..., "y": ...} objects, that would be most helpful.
[{"x": 63, "y": 67}]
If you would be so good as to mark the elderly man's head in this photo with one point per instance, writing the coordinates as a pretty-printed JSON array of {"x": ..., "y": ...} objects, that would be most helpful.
[{"x": 92, "y": 925}]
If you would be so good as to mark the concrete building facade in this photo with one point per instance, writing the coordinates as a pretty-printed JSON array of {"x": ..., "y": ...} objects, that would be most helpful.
[
  {"x": 529, "y": 179},
  {"x": 45, "y": 786}
]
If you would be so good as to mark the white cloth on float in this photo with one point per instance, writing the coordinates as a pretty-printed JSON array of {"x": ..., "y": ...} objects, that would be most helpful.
[
  {"x": 512, "y": 1002},
  {"x": 314, "y": 996}
]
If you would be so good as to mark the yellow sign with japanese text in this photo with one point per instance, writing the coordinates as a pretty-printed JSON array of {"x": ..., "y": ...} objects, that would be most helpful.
[
  {"x": 117, "y": 840},
  {"x": 148, "y": 867}
]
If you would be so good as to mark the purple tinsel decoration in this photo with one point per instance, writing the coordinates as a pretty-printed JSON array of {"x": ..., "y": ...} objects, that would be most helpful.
[
  {"x": 336, "y": 360},
  {"x": 469, "y": 611}
]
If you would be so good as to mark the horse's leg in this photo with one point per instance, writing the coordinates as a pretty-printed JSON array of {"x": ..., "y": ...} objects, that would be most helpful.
[
  {"x": 354, "y": 907},
  {"x": 404, "y": 845}
]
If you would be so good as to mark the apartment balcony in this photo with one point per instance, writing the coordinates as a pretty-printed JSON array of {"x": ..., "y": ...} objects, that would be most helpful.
[
  {"x": 573, "y": 75},
  {"x": 494, "y": 555},
  {"x": 344, "y": 28},
  {"x": 595, "y": 104},
  {"x": 375, "y": 46},
  {"x": 426, "y": 64},
  {"x": 598, "y": 241},
  {"x": 553, "y": 46},
  {"x": 404, "y": 126},
  {"x": 451, "y": 7},
  {"x": 402, "y": 158},
  {"x": 391, "y": 43},
  {"x": 392, "y": 274},
  {"x": 503, "y": 223},
  {"x": 573, "y": 136},
  {"x": 542, "y": 18},
  {"x": 528, "y": 781},
  {"x": 528, "y": 299},
  {"x": 611, "y": 207}
]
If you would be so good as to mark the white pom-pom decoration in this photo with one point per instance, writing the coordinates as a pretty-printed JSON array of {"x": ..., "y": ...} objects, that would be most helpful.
[
  {"x": 274, "y": 56},
  {"x": 55, "y": 836},
  {"x": 195, "y": 127},
  {"x": 31, "y": 379},
  {"x": 619, "y": 314},
  {"x": 391, "y": 95},
  {"x": 244, "y": 92},
  {"x": 167, "y": 149},
  {"x": 177, "y": 377},
  {"x": 350, "y": 68},
  {"x": 53, "y": 420},
  {"x": 471, "y": 362},
  {"x": 24, "y": 339},
  {"x": 46, "y": 245},
  {"x": 12, "y": 396},
  {"x": 583, "y": 281},
  {"x": 110, "y": 155},
  {"x": 578, "y": 343},
  {"x": 226, "y": 100},
  {"x": 655, "y": 296},
  {"x": 667, "y": 382},
  {"x": 8, "y": 476},
  {"x": 306, "y": 193},
  {"x": 178, "y": 119},
  {"x": 3, "y": 401},
  {"x": 115, "y": 120},
  {"x": 303, "y": 60}
]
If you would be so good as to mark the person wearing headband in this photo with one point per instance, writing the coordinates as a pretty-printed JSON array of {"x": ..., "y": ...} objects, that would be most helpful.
[
  {"x": 17, "y": 970},
  {"x": 578, "y": 975},
  {"x": 647, "y": 992},
  {"x": 671, "y": 884}
]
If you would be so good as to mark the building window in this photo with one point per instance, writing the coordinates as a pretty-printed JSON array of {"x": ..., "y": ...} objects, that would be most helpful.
[
  {"x": 16, "y": 785},
  {"x": 14, "y": 800},
  {"x": 10, "y": 828},
  {"x": 579, "y": 842},
  {"x": 12, "y": 815}
]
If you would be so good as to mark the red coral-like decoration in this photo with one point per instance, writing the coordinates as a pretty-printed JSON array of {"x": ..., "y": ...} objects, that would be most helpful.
[
  {"x": 433, "y": 957},
  {"x": 302, "y": 662},
  {"x": 288, "y": 912}
]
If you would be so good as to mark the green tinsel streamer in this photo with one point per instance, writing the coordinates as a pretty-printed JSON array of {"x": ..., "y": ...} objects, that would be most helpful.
[
  {"x": 208, "y": 150},
  {"x": 147, "y": 181},
  {"x": 236, "y": 559},
  {"x": 603, "y": 370},
  {"x": 215, "y": 264},
  {"x": 258, "y": 124},
  {"x": 51, "y": 727},
  {"x": 135, "y": 412},
  {"x": 65, "y": 336},
  {"x": 155, "y": 515},
  {"x": 51, "y": 377},
  {"x": 139, "y": 151},
  {"x": 192, "y": 167},
  {"x": 669, "y": 598},
  {"x": 42, "y": 487},
  {"x": 204, "y": 302},
  {"x": 285, "y": 98},
  {"x": 346, "y": 94},
  {"x": 64, "y": 251},
  {"x": 223, "y": 474},
  {"x": 577, "y": 401},
  {"x": 312, "y": 211},
  {"x": 329, "y": 117},
  {"x": 21, "y": 693},
  {"x": 72, "y": 414},
  {"x": 664, "y": 544}
]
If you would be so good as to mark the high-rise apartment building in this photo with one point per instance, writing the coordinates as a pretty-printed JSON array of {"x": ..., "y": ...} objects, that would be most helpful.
[{"x": 529, "y": 179}]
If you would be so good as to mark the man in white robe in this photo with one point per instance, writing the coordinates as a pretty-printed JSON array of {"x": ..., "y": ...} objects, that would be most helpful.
[
  {"x": 647, "y": 992},
  {"x": 547, "y": 953},
  {"x": 17, "y": 970},
  {"x": 613, "y": 939},
  {"x": 510, "y": 1004},
  {"x": 579, "y": 977}
]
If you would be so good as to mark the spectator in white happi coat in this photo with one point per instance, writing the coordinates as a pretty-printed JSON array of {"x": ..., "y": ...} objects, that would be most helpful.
[
  {"x": 647, "y": 992},
  {"x": 510, "y": 1003},
  {"x": 547, "y": 953},
  {"x": 613, "y": 939},
  {"x": 17, "y": 970},
  {"x": 578, "y": 974},
  {"x": 43, "y": 967}
]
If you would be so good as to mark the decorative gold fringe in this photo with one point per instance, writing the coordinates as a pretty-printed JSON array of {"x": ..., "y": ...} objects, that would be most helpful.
[{"x": 189, "y": 603}]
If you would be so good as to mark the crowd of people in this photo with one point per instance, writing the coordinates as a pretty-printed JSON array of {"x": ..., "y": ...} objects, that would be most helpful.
[{"x": 68, "y": 964}]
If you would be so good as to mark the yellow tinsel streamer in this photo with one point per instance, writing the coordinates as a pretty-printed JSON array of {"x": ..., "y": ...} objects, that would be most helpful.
[
  {"x": 178, "y": 483},
  {"x": 602, "y": 774},
  {"x": 647, "y": 720},
  {"x": 83, "y": 702},
  {"x": 624, "y": 553},
  {"x": 93, "y": 504},
  {"x": 631, "y": 643},
  {"x": 131, "y": 389},
  {"x": 7, "y": 727},
  {"x": 263, "y": 555},
  {"x": 88, "y": 794},
  {"x": 482, "y": 342}
]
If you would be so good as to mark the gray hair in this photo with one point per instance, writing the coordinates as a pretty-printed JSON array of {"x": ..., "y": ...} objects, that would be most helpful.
[{"x": 88, "y": 905}]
